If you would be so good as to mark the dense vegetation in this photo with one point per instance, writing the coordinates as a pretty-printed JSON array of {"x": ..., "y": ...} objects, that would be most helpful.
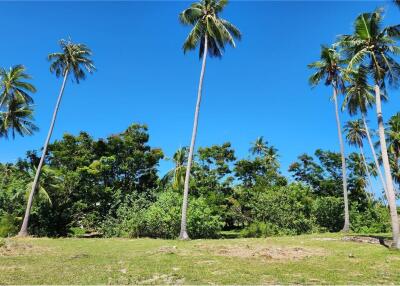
[{"x": 112, "y": 186}]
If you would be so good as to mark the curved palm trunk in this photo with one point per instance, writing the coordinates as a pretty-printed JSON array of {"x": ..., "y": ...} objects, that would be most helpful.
[
  {"x": 24, "y": 227},
  {"x": 183, "y": 234},
  {"x": 366, "y": 169},
  {"x": 391, "y": 197},
  {"x": 346, "y": 226},
  {"x": 371, "y": 145}
]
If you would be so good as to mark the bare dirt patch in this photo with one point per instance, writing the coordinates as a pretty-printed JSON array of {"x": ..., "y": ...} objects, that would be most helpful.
[
  {"x": 268, "y": 253},
  {"x": 11, "y": 247}
]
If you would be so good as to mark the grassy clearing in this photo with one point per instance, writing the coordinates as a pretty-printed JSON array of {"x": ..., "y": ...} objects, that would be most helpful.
[{"x": 312, "y": 259}]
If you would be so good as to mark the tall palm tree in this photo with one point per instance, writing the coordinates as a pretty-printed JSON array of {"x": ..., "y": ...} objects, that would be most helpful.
[
  {"x": 13, "y": 84},
  {"x": 359, "y": 98},
  {"x": 259, "y": 146},
  {"x": 73, "y": 59},
  {"x": 393, "y": 141},
  {"x": 355, "y": 135},
  {"x": 17, "y": 118},
  {"x": 328, "y": 68},
  {"x": 211, "y": 33},
  {"x": 16, "y": 112},
  {"x": 177, "y": 174},
  {"x": 374, "y": 46}
]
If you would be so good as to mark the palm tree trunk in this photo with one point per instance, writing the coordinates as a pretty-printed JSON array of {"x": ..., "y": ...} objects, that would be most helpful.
[
  {"x": 391, "y": 197},
  {"x": 24, "y": 228},
  {"x": 366, "y": 169},
  {"x": 371, "y": 145},
  {"x": 346, "y": 226},
  {"x": 183, "y": 234}
]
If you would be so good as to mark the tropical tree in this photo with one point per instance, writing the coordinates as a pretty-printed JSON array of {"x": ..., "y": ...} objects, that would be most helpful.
[
  {"x": 211, "y": 33},
  {"x": 16, "y": 112},
  {"x": 259, "y": 146},
  {"x": 13, "y": 85},
  {"x": 328, "y": 68},
  {"x": 355, "y": 135},
  {"x": 375, "y": 47},
  {"x": 74, "y": 59},
  {"x": 359, "y": 98},
  {"x": 17, "y": 118},
  {"x": 393, "y": 141},
  {"x": 177, "y": 174}
]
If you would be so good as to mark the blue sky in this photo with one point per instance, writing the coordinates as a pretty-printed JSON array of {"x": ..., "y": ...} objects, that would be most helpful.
[{"x": 258, "y": 89}]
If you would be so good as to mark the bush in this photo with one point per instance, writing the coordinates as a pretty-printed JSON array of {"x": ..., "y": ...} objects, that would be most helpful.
[
  {"x": 202, "y": 223},
  {"x": 128, "y": 221},
  {"x": 287, "y": 208},
  {"x": 8, "y": 226},
  {"x": 262, "y": 229},
  {"x": 374, "y": 219},
  {"x": 162, "y": 219},
  {"x": 328, "y": 213}
]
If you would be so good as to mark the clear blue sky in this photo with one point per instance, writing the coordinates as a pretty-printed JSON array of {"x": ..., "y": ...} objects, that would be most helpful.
[{"x": 260, "y": 88}]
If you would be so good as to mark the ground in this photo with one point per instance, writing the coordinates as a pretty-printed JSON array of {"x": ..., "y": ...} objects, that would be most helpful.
[{"x": 310, "y": 259}]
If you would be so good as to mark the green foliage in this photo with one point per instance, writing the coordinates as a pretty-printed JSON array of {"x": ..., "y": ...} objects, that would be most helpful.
[
  {"x": 8, "y": 225},
  {"x": 16, "y": 110},
  {"x": 328, "y": 213},
  {"x": 162, "y": 219},
  {"x": 129, "y": 220},
  {"x": 288, "y": 208},
  {"x": 111, "y": 186},
  {"x": 374, "y": 219},
  {"x": 264, "y": 229},
  {"x": 204, "y": 17},
  {"x": 202, "y": 221},
  {"x": 74, "y": 58}
]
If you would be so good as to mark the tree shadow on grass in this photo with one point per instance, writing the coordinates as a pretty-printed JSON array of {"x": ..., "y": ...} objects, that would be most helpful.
[{"x": 384, "y": 240}]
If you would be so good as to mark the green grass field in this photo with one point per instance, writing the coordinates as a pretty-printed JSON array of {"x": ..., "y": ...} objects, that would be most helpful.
[{"x": 311, "y": 259}]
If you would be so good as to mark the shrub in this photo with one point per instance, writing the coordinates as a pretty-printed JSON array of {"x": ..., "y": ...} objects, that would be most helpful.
[
  {"x": 328, "y": 213},
  {"x": 374, "y": 219},
  {"x": 262, "y": 229},
  {"x": 8, "y": 225},
  {"x": 288, "y": 208},
  {"x": 162, "y": 219},
  {"x": 128, "y": 221},
  {"x": 202, "y": 222}
]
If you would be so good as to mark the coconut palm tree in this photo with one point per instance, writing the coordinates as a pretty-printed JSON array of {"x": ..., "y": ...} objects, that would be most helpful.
[
  {"x": 259, "y": 146},
  {"x": 13, "y": 84},
  {"x": 211, "y": 33},
  {"x": 358, "y": 99},
  {"x": 16, "y": 112},
  {"x": 375, "y": 47},
  {"x": 328, "y": 68},
  {"x": 355, "y": 135},
  {"x": 17, "y": 118},
  {"x": 74, "y": 59},
  {"x": 393, "y": 141},
  {"x": 177, "y": 174}
]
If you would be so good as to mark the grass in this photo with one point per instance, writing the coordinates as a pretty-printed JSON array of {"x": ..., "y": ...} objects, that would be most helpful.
[{"x": 307, "y": 259}]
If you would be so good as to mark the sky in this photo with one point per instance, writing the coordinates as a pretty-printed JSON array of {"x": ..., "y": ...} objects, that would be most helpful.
[{"x": 258, "y": 89}]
